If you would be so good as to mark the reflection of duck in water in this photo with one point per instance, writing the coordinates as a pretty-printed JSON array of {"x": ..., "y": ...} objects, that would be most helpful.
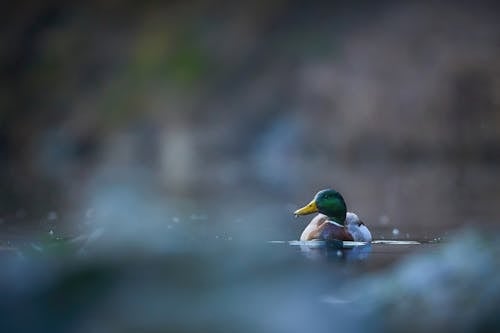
[
  {"x": 333, "y": 221},
  {"x": 335, "y": 252}
]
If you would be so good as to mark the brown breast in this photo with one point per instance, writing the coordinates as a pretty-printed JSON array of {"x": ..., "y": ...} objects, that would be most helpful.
[{"x": 332, "y": 231}]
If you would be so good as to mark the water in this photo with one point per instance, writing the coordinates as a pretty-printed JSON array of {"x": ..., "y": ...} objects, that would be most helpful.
[
  {"x": 227, "y": 285},
  {"x": 132, "y": 265},
  {"x": 367, "y": 257}
]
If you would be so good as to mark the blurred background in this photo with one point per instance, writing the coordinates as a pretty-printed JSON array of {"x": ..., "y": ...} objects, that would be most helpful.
[
  {"x": 233, "y": 106},
  {"x": 165, "y": 122}
]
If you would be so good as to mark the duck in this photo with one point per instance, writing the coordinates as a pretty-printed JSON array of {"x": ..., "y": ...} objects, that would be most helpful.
[{"x": 333, "y": 221}]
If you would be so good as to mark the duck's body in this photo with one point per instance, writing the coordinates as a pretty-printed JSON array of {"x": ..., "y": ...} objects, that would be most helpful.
[
  {"x": 322, "y": 228},
  {"x": 333, "y": 221}
]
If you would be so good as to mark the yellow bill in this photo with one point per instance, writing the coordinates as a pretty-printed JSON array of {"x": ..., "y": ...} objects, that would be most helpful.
[{"x": 309, "y": 209}]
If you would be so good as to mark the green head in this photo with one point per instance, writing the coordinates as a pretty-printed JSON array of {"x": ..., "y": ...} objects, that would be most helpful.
[{"x": 328, "y": 202}]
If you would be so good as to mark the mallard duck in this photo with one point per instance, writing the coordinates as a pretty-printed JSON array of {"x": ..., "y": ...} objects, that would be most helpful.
[{"x": 333, "y": 221}]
